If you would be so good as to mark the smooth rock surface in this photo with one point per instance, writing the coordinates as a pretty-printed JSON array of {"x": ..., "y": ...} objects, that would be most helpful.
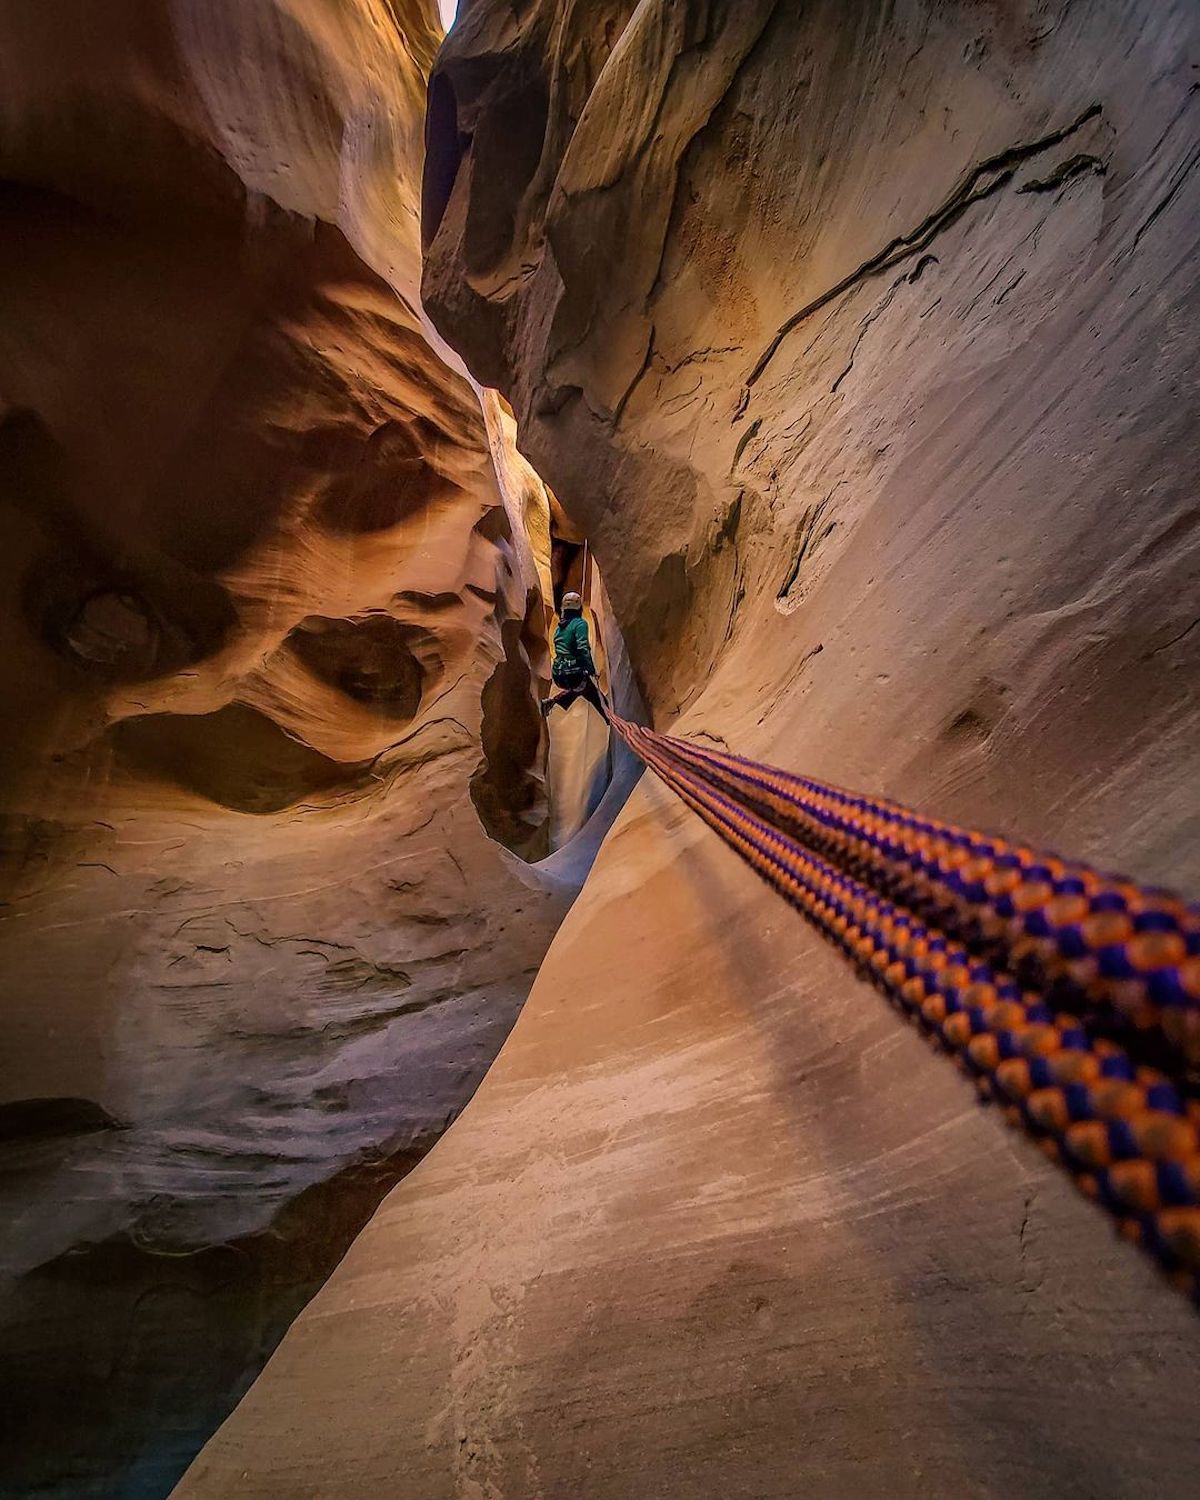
[
  {"x": 270, "y": 618},
  {"x": 718, "y": 1223},
  {"x": 861, "y": 339}
]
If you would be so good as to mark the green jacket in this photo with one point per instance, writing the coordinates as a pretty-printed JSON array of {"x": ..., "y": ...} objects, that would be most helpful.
[{"x": 572, "y": 652}]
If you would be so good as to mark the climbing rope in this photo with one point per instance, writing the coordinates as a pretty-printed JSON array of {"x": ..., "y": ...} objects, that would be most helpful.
[{"x": 1072, "y": 998}]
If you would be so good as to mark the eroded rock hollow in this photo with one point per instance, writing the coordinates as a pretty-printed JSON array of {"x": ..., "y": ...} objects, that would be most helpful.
[
  {"x": 860, "y": 339},
  {"x": 274, "y": 585},
  {"x": 856, "y": 343}
]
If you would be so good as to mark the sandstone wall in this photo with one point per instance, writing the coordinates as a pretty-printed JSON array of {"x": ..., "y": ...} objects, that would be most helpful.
[
  {"x": 268, "y": 612},
  {"x": 856, "y": 338},
  {"x": 861, "y": 339}
]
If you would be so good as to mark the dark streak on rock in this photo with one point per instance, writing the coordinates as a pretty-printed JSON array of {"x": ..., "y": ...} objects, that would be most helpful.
[
  {"x": 873, "y": 316},
  {"x": 698, "y": 355},
  {"x": 1174, "y": 641},
  {"x": 808, "y": 656},
  {"x": 809, "y": 539},
  {"x": 747, "y": 437},
  {"x": 1168, "y": 198},
  {"x": 986, "y": 178},
  {"x": 1011, "y": 287},
  {"x": 633, "y": 384},
  {"x": 1079, "y": 165}
]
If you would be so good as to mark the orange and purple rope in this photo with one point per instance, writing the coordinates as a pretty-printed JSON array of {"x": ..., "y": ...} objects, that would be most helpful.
[{"x": 1071, "y": 997}]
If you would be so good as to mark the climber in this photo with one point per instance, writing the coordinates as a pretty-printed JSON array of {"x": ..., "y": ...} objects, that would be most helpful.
[{"x": 573, "y": 670}]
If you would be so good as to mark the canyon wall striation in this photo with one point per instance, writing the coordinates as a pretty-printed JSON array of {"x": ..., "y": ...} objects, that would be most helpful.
[
  {"x": 860, "y": 339},
  {"x": 273, "y": 626}
]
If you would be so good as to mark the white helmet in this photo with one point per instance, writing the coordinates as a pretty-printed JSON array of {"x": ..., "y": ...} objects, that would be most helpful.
[{"x": 571, "y": 600}]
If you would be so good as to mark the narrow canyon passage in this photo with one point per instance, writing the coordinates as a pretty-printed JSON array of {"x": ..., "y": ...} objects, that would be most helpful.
[
  {"x": 277, "y": 586},
  {"x": 843, "y": 358}
]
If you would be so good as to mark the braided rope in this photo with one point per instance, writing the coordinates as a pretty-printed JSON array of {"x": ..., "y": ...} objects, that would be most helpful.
[
  {"x": 1126, "y": 1132},
  {"x": 1102, "y": 943}
]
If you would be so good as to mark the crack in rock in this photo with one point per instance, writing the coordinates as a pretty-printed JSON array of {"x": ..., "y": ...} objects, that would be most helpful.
[
  {"x": 1079, "y": 165},
  {"x": 984, "y": 179}
]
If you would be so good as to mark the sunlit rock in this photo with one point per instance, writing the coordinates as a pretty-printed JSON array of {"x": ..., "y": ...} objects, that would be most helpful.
[{"x": 860, "y": 341}]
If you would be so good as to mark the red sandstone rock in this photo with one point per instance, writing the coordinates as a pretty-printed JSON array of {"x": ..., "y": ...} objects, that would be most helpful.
[
  {"x": 861, "y": 341},
  {"x": 261, "y": 579}
]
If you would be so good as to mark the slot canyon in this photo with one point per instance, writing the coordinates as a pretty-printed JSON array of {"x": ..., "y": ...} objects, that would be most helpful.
[{"x": 402, "y": 1092}]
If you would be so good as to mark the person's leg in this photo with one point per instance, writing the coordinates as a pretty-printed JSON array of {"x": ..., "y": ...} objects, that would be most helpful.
[
  {"x": 592, "y": 693},
  {"x": 560, "y": 700}
]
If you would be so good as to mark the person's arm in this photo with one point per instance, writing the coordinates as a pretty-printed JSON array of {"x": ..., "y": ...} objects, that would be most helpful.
[{"x": 583, "y": 649}]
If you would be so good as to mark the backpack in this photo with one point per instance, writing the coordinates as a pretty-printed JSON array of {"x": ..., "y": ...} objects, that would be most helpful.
[
  {"x": 566, "y": 672},
  {"x": 566, "y": 669}
]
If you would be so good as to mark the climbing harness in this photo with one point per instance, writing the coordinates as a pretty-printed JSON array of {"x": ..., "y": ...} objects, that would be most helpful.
[{"x": 1071, "y": 997}]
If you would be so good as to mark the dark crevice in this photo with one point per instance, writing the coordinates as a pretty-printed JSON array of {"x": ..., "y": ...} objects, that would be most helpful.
[
  {"x": 52, "y": 1119},
  {"x": 1080, "y": 165},
  {"x": 507, "y": 788},
  {"x": 444, "y": 151},
  {"x": 745, "y": 440}
]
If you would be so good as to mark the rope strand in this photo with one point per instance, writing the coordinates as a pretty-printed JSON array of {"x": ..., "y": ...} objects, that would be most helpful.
[{"x": 1010, "y": 960}]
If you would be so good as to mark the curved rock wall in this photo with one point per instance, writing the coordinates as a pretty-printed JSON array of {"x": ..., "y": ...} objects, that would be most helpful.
[
  {"x": 861, "y": 340},
  {"x": 886, "y": 407},
  {"x": 268, "y": 611}
]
